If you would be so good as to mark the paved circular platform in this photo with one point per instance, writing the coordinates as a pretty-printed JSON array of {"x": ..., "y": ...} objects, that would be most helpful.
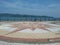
[{"x": 30, "y": 31}]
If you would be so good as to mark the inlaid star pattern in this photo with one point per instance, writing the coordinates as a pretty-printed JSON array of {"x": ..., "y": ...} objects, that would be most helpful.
[{"x": 29, "y": 25}]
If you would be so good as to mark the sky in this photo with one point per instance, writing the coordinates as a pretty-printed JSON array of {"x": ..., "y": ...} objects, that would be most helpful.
[{"x": 31, "y": 7}]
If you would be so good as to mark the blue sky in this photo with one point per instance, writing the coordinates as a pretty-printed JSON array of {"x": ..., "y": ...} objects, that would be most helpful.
[{"x": 31, "y": 7}]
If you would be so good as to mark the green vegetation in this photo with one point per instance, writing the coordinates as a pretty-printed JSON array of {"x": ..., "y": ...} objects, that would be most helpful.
[{"x": 19, "y": 17}]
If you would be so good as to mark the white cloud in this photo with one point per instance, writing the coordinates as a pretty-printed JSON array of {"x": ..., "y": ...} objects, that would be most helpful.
[{"x": 54, "y": 5}]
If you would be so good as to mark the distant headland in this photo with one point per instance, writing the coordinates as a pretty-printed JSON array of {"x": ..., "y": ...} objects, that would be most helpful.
[{"x": 20, "y": 17}]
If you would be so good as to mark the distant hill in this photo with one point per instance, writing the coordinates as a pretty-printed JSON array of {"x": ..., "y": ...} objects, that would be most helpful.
[{"x": 19, "y": 17}]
